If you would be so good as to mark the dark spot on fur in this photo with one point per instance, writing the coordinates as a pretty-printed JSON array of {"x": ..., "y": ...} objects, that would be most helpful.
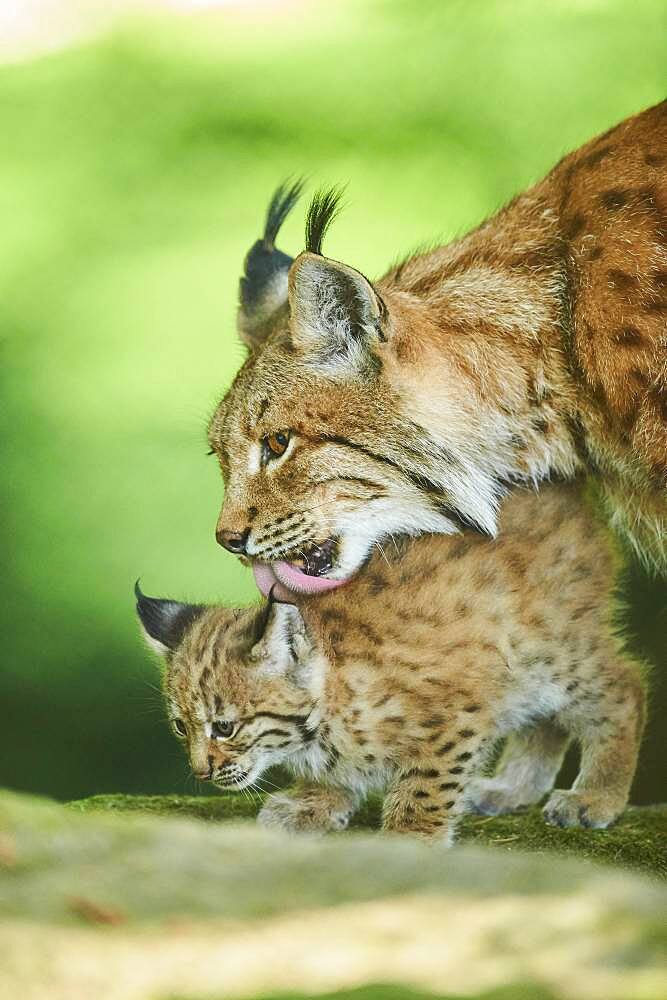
[
  {"x": 332, "y": 615},
  {"x": 449, "y": 785},
  {"x": 455, "y": 770},
  {"x": 594, "y": 252},
  {"x": 421, "y": 794},
  {"x": 448, "y": 805},
  {"x": 628, "y": 336},
  {"x": 464, "y": 756},
  {"x": 472, "y": 708},
  {"x": 544, "y": 255},
  {"x": 614, "y": 199},
  {"x": 592, "y": 159},
  {"x": 465, "y": 734},
  {"x": 622, "y": 280},
  {"x": 654, "y": 160},
  {"x": 574, "y": 226},
  {"x": 445, "y": 748}
]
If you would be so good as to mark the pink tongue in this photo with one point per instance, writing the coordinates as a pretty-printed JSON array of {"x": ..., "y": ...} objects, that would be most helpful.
[{"x": 289, "y": 579}]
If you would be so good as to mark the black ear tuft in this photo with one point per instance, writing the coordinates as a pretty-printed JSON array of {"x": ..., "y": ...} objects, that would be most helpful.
[
  {"x": 283, "y": 201},
  {"x": 165, "y": 622},
  {"x": 263, "y": 286},
  {"x": 322, "y": 210}
]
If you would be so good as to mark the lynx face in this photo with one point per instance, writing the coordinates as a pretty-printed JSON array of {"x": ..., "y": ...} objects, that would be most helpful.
[
  {"x": 322, "y": 437},
  {"x": 320, "y": 466},
  {"x": 238, "y": 685}
]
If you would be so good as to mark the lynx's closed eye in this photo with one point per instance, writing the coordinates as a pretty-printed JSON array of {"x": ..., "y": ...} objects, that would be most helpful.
[
  {"x": 179, "y": 727},
  {"x": 275, "y": 445},
  {"x": 221, "y": 730}
]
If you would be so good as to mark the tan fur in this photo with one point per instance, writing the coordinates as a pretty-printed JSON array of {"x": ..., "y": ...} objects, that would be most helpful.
[
  {"x": 536, "y": 346},
  {"x": 405, "y": 678}
]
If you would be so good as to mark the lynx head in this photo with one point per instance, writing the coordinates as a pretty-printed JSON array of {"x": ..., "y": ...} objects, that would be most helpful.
[
  {"x": 240, "y": 685},
  {"x": 320, "y": 438}
]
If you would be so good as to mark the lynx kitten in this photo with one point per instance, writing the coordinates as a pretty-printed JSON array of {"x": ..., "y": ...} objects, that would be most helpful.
[{"x": 404, "y": 679}]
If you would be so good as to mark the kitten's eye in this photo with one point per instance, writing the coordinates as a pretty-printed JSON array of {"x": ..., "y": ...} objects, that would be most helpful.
[
  {"x": 221, "y": 730},
  {"x": 275, "y": 445},
  {"x": 179, "y": 726}
]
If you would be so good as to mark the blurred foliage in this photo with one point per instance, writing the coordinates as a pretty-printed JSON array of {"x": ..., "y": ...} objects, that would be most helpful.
[{"x": 134, "y": 172}]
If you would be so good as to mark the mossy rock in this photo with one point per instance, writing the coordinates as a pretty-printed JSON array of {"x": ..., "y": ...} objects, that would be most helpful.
[
  {"x": 637, "y": 841},
  {"x": 137, "y": 898}
]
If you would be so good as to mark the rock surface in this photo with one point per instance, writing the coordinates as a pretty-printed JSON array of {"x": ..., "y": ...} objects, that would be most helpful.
[{"x": 139, "y": 899}]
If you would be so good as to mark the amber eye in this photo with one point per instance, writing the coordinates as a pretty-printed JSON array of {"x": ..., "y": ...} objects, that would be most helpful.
[
  {"x": 275, "y": 445},
  {"x": 220, "y": 730},
  {"x": 179, "y": 727}
]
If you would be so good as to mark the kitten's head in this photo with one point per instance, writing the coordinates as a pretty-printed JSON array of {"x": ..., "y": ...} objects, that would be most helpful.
[{"x": 240, "y": 685}]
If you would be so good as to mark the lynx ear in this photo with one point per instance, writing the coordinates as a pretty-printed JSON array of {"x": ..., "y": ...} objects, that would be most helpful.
[
  {"x": 336, "y": 314},
  {"x": 263, "y": 287},
  {"x": 282, "y": 640},
  {"x": 164, "y": 622}
]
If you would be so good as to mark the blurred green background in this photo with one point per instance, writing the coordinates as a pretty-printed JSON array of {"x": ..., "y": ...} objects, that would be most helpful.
[{"x": 134, "y": 171}]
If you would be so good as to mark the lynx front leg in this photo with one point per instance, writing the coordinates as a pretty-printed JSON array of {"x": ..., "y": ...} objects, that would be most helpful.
[
  {"x": 308, "y": 809},
  {"x": 610, "y": 727},
  {"x": 526, "y": 771},
  {"x": 428, "y": 798}
]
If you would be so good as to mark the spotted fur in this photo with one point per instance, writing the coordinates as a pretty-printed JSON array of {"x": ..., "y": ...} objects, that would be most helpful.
[
  {"x": 534, "y": 347},
  {"x": 404, "y": 680}
]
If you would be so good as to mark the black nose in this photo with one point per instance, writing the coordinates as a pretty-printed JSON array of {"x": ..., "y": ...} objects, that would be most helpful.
[{"x": 234, "y": 541}]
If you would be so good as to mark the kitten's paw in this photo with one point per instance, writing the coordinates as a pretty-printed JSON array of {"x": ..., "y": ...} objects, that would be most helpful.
[
  {"x": 304, "y": 814},
  {"x": 492, "y": 797},
  {"x": 581, "y": 809}
]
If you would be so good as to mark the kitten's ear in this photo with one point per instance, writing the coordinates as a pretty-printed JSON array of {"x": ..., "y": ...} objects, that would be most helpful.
[
  {"x": 282, "y": 640},
  {"x": 164, "y": 622},
  {"x": 263, "y": 287},
  {"x": 335, "y": 313}
]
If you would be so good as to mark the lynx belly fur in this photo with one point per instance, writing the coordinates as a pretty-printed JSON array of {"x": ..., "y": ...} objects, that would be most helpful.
[{"x": 405, "y": 679}]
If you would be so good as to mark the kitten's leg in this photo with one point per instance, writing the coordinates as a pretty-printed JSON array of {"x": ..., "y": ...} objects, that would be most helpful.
[
  {"x": 526, "y": 771},
  {"x": 427, "y": 796},
  {"x": 608, "y": 720},
  {"x": 308, "y": 809}
]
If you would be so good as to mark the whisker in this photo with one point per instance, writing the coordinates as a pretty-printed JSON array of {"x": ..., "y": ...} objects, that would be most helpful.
[
  {"x": 382, "y": 553},
  {"x": 265, "y": 781}
]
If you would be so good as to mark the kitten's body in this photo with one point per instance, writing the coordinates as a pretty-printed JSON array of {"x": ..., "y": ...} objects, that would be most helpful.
[{"x": 405, "y": 678}]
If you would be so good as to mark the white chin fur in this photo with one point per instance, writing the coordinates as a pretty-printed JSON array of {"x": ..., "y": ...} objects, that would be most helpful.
[{"x": 360, "y": 531}]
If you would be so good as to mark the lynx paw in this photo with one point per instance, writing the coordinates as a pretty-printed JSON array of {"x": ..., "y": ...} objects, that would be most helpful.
[
  {"x": 581, "y": 809},
  {"x": 492, "y": 797},
  {"x": 304, "y": 814}
]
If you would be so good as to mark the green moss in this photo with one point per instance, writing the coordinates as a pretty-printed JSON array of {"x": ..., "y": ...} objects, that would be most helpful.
[
  {"x": 386, "y": 991},
  {"x": 637, "y": 841}
]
